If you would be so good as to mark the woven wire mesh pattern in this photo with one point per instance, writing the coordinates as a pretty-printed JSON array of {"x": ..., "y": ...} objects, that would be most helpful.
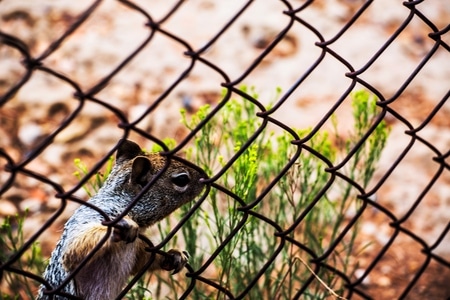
[{"x": 198, "y": 58}]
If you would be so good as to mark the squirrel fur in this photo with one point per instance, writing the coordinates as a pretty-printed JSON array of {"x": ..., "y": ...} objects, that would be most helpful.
[{"x": 123, "y": 254}]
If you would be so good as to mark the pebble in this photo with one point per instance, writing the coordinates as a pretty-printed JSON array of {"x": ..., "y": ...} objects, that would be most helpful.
[
  {"x": 76, "y": 130},
  {"x": 52, "y": 155},
  {"x": 28, "y": 133},
  {"x": 359, "y": 273},
  {"x": 384, "y": 281},
  {"x": 7, "y": 208},
  {"x": 30, "y": 204}
]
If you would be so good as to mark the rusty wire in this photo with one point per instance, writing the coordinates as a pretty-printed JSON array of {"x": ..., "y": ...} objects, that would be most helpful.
[{"x": 319, "y": 260}]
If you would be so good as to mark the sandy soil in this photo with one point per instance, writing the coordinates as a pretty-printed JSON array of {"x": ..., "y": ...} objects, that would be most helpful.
[{"x": 114, "y": 31}]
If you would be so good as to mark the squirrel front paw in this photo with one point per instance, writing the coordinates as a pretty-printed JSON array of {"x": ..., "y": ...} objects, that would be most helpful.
[
  {"x": 175, "y": 260},
  {"x": 125, "y": 230}
]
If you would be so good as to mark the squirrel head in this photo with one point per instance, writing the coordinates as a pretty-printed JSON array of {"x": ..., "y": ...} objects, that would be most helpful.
[{"x": 176, "y": 184}]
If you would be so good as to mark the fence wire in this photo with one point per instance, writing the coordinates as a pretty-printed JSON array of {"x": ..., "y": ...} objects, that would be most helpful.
[{"x": 293, "y": 10}]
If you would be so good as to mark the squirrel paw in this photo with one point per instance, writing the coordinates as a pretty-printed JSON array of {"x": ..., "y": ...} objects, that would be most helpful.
[
  {"x": 125, "y": 230},
  {"x": 175, "y": 260}
]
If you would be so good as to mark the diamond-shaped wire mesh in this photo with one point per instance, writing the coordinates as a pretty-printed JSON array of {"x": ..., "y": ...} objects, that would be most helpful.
[{"x": 317, "y": 52}]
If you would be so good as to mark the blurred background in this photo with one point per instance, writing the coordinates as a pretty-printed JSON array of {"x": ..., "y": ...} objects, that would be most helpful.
[{"x": 388, "y": 42}]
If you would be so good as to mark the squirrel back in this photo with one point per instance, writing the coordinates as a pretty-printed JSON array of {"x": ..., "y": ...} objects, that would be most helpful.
[{"x": 121, "y": 254}]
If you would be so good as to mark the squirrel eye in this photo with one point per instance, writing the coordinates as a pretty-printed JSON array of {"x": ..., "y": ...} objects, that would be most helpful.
[{"x": 181, "y": 179}]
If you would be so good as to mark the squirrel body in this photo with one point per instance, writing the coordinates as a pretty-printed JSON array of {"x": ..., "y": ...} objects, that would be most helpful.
[{"x": 122, "y": 254}]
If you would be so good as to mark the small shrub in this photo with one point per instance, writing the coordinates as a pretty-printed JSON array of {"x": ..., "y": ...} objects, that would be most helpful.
[
  {"x": 14, "y": 285},
  {"x": 245, "y": 252}
]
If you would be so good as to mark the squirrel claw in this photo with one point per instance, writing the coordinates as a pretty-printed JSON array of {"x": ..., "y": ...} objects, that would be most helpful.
[
  {"x": 175, "y": 260},
  {"x": 125, "y": 230}
]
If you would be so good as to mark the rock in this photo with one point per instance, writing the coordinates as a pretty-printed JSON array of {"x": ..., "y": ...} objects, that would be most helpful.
[
  {"x": 29, "y": 133},
  {"x": 30, "y": 204},
  {"x": 359, "y": 273},
  {"x": 7, "y": 208}
]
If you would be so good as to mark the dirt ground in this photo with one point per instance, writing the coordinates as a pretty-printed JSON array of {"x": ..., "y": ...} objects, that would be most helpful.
[{"x": 114, "y": 31}]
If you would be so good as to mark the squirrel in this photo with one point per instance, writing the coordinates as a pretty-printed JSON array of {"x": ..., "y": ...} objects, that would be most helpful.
[{"x": 123, "y": 254}]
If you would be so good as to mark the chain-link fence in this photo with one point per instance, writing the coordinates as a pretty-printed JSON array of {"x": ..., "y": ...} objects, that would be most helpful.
[{"x": 409, "y": 261}]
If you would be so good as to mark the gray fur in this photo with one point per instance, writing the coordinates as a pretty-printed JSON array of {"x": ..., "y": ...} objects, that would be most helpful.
[{"x": 106, "y": 274}]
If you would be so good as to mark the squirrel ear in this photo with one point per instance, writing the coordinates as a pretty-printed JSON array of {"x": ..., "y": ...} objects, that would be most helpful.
[
  {"x": 127, "y": 150},
  {"x": 140, "y": 170}
]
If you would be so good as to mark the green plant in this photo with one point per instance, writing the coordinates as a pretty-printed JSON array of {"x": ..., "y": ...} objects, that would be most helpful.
[
  {"x": 240, "y": 260},
  {"x": 11, "y": 240}
]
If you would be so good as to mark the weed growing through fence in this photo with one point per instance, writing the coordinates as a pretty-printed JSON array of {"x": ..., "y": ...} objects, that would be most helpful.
[
  {"x": 239, "y": 262},
  {"x": 16, "y": 286}
]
